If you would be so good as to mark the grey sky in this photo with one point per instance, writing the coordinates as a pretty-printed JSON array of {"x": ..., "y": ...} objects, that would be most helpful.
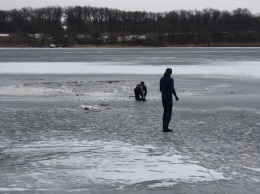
[{"x": 139, "y": 5}]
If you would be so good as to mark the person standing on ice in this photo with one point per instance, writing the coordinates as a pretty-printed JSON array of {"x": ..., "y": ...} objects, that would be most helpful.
[
  {"x": 140, "y": 91},
  {"x": 167, "y": 89}
]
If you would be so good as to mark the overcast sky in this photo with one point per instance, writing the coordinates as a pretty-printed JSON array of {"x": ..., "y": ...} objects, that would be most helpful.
[{"x": 139, "y": 5}]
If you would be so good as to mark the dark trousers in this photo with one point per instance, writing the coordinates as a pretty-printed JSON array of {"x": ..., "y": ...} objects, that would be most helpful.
[
  {"x": 167, "y": 110},
  {"x": 138, "y": 94}
]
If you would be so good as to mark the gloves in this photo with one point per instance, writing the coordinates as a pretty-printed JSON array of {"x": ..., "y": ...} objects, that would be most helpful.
[{"x": 176, "y": 98}]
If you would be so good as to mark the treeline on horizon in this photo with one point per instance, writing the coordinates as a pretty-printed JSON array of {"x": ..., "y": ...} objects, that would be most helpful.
[{"x": 88, "y": 25}]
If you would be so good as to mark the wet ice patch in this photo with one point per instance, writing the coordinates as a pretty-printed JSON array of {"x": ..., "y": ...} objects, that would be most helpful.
[
  {"x": 30, "y": 90},
  {"x": 94, "y": 108},
  {"x": 13, "y": 189},
  {"x": 254, "y": 169},
  {"x": 186, "y": 91},
  {"x": 201, "y": 123},
  {"x": 221, "y": 86},
  {"x": 109, "y": 163},
  {"x": 237, "y": 109},
  {"x": 192, "y": 92}
]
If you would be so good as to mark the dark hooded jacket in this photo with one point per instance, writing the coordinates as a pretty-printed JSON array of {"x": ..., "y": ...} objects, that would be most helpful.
[
  {"x": 140, "y": 88},
  {"x": 167, "y": 86}
]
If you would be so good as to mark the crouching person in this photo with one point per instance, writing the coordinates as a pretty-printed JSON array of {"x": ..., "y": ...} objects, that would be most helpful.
[{"x": 140, "y": 91}]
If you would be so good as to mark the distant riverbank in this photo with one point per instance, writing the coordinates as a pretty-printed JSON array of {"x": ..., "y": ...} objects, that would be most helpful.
[{"x": 257, "y": 44}]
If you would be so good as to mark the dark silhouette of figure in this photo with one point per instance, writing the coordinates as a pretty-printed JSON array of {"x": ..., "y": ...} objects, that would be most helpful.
[
  {"x": 167, "y": 89},
  {"x": 140, "y": 91}
]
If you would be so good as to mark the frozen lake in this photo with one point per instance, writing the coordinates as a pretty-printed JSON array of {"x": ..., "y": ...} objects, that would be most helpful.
[
  {"x": 132, "y": 56},
  {"x": 151, "y": 61},
  {"x": 49, "y": 143}
]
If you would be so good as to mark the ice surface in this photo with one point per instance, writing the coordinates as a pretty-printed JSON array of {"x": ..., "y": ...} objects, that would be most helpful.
[
  {"x": 27, "y": 90},
  {"x": 49, "y": 142},
  {"x": 254, "y": 169},
  {"x": 113, "y": 163},
  {"x": 242, "y": 68},
  {"x": 91, "y": 108}
]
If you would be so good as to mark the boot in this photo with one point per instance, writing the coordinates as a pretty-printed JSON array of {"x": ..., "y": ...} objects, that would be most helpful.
[{"x": 166, "y": 129}]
